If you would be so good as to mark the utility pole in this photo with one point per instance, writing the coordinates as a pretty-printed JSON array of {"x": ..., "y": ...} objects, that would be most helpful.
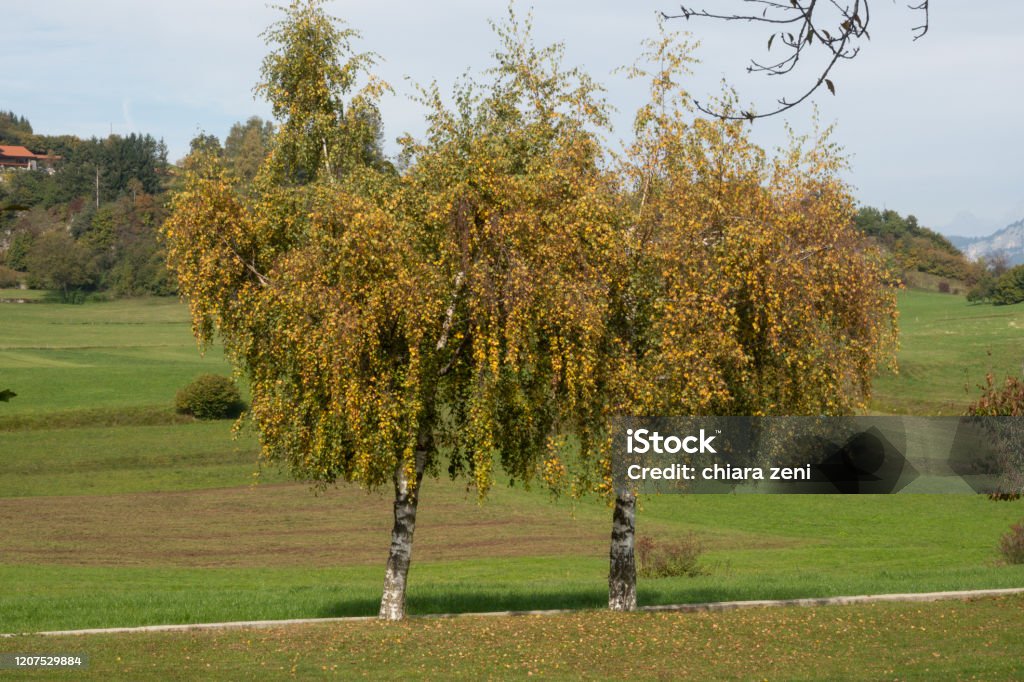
[{"x": 97, "y": 186}]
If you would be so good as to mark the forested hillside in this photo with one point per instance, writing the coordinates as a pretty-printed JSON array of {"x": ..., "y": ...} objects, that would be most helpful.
[
  {"x": 915, "y": 248},
  {"x": 88, "y": 221}
]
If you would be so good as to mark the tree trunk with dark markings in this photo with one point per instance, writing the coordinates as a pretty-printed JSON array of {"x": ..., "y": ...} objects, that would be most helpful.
[
  {"x": 622, "y": 568},
  {"x": 392, "y": 603},
  {"x": 407, "y": 497}
]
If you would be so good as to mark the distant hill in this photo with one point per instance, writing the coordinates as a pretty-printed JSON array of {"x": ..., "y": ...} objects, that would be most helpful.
[
  {"x": 913, "y": 248},
  {"x": 1008, "y": 241}
]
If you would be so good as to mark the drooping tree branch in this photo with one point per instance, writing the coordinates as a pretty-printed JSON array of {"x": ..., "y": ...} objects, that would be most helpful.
[{"x": 801, "y": 26}]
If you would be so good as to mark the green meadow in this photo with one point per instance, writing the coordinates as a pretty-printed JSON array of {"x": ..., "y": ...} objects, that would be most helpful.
[
  {"x": 116, "y": 356},
  {"x": 946, "y": 347},
  {"x": 117, "y": 512},
  {"x": 947, "y": 640}
]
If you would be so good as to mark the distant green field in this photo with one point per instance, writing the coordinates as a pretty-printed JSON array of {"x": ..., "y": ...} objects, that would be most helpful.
[
  {"x": 24, "y": 294},
  {"x": 115, "y": 512},
  {"x": 122, "y": 354},
  {"x": 107, "y": 460},
  {"x": 127, "y": 354},
  {"x": 947, "y": 346}
]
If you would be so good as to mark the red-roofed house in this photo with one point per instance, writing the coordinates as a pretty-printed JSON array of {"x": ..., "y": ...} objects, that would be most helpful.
[{"x": 13, "y": 156}]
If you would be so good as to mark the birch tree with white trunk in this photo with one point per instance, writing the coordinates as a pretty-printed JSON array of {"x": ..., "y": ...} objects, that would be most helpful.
[
  {"x": 748, "y": 291},
  {"x": 382, "y": 318}
]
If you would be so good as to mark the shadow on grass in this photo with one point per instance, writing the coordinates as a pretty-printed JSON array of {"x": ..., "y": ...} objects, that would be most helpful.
[
  {"x": 655, "y": 595},
  {"x": 468, "y": 601},
  {"x": 650, "y": 593},
  {"x": 460, "y": 601}
]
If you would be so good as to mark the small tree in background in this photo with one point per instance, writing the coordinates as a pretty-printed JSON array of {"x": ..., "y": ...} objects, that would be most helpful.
[
  {"x": 58, "y": 261},
  {"x": 1009, "y": 288},
  {"x": 991, "y": 269},
  {"x": 9, "y": 278}
]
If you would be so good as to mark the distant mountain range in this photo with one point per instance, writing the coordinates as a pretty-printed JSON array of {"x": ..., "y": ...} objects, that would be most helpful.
[{"x": 1008, "y": 241}]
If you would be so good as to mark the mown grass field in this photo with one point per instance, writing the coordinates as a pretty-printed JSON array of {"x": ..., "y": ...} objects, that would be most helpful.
[
  {"x": 947, "y": 346},
  {"x": 114, "y": 511},
  {"x": 938, "y": 641},
  {"x": 277, "y": 551},
  {"x": 121, "y": 355}
]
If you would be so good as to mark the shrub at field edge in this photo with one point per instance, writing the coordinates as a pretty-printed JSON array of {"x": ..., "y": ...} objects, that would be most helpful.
[{"x": 210, "y": 396}]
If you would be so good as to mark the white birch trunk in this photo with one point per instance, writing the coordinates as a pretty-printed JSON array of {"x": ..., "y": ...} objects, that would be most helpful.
[
  {"x": 622, "y": 563},
  {"x": 392, "y": 602},
  {"x": 407, "y": 497}
]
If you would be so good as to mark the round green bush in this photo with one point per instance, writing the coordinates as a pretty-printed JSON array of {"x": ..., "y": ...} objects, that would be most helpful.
[{"x": 210, "y": 396}]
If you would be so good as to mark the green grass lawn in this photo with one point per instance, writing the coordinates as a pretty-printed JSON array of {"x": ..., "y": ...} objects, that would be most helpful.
[
  {"x": 106, "y": 459},
  {"x": 102, "y": 548},
  {"x": 24, "y": 294},
  {"x": 114, "y": 511},
  {"x": 947, "y": 346},
  {"x": 111, "y": 356},
  {"x": 946, "y": 640}
]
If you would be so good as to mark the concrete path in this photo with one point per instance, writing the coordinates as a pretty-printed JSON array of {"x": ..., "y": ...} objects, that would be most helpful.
[{"x": 679, "y": 608}]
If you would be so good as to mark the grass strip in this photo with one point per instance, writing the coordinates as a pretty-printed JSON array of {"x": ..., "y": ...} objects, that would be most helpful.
[{"x": 943, "y": 640}]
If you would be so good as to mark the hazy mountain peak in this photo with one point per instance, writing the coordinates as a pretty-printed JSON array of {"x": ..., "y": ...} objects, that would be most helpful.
[{"x": 1008, "y": 241}]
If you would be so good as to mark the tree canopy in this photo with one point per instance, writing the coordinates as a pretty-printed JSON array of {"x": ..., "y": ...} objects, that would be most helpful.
[
  {"x": 748, "y": 291},
  {"x": 311, "y": 69},
  {"x": 361, "y": 303},
  {"x": 511, "y": 290}
]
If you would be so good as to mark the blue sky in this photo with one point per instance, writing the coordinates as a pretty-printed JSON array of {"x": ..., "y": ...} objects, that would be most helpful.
[{"x": 934, "y": 127}]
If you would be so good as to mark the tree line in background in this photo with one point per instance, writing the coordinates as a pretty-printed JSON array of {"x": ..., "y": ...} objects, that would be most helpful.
[
  {"x": 913, "y": 248},
  {"x": 91, "y": 222},
  {"x": 999, "y": 284},
  {"x": 92, "y": 225}
]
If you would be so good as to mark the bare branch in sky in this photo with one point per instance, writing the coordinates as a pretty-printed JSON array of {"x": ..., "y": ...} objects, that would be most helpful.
[{"x": 802, "y": 27}]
